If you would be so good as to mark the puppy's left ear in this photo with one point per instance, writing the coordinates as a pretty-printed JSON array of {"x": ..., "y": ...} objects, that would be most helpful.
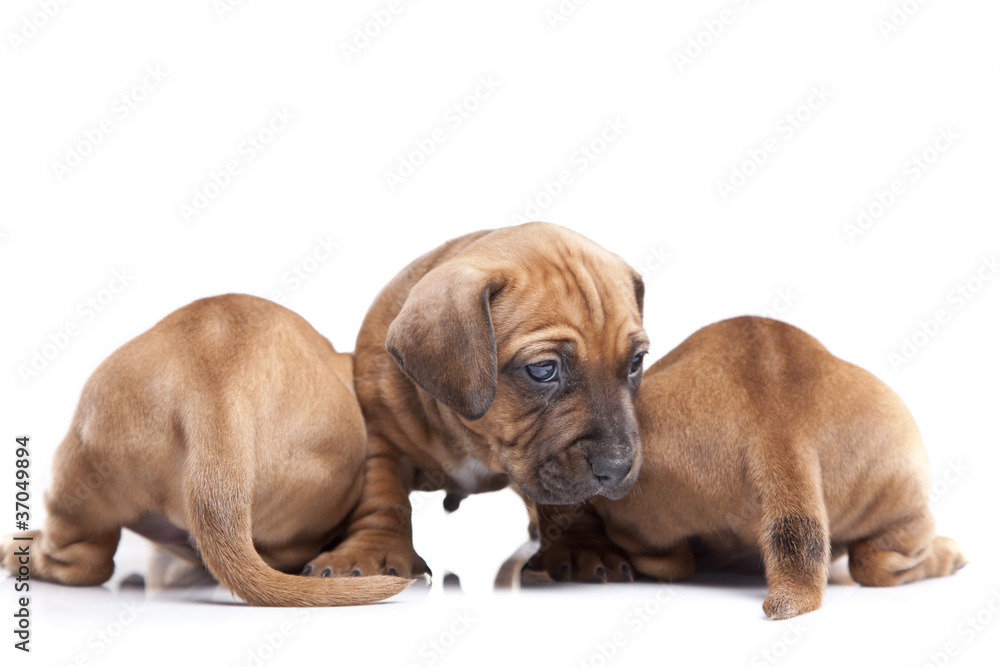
[{"x": 443, "y": 337}]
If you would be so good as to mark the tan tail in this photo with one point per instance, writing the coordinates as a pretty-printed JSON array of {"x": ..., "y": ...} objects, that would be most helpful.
[{"x": 219, "y": 487}]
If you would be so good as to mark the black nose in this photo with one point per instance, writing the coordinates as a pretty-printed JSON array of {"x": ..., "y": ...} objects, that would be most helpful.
[{"x": 610, "y": 471}]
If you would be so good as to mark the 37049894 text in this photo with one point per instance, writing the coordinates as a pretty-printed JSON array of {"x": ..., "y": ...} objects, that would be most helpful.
[{"x": 22, "y": 513}]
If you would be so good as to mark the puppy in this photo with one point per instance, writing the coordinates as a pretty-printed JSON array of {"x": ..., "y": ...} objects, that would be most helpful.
[
  {"x": 230, "y": 433},
  {"x": 502, "y": 356},
  {"x": 759, "y": 442}
]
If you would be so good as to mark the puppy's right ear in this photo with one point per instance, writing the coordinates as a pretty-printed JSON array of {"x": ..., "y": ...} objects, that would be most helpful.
[{"x": 443, "y": 337}]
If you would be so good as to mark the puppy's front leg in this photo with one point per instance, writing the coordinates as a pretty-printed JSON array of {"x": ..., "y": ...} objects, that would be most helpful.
[
  {"x": 379, "y": 535},
  {"x": 574, "y": 545}
]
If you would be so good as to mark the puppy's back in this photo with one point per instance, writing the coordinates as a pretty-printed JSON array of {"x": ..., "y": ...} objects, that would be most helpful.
[{"x": 747, "y": 380}]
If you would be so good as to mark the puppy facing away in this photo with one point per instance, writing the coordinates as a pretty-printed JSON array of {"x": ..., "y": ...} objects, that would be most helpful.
[
  {"x": 506, "y": 356},
  {"x": 758, "y": 442},
  {"x": 230, "y": 433}
]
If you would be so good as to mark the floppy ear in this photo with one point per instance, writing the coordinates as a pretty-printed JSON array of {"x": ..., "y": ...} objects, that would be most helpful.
[{"x": 443, "y": 338}]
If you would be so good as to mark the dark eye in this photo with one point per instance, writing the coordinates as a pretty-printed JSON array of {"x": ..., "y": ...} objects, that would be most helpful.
[
  {"x": 543, "y": 371},
  {"x": 636, "y": 363}
]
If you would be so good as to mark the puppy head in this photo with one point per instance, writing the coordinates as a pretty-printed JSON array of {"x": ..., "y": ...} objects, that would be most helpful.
[{"x": 533, "y": 338}]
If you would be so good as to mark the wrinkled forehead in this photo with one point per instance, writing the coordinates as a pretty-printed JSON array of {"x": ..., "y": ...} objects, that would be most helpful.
[{"x": 585, "y": 301}]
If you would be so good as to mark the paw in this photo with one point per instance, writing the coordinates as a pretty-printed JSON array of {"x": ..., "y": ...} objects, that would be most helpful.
[
  {"x": 9, "y": 547},
  {"x": 365, "y": 555},
  {"x": 785, "y": 603},
  {"x": 950, "y": 557},
  {"x": 592, "y": 561}
]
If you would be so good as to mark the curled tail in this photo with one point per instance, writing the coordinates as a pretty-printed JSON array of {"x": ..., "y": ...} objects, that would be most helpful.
[{"x": 219, "y": 489}]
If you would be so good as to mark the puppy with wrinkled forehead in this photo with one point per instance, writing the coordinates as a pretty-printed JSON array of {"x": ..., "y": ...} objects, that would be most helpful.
[
  {"x": 230, "y": 435},
  {"x": 758, "y": 442},
  {"x": 507, "y": 356}
]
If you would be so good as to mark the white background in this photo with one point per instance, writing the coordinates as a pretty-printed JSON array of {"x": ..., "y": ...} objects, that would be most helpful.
[{"x": 651, "y": 192}]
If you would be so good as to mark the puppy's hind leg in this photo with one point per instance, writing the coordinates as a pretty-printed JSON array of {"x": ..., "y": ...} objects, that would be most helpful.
[
  {"x": 904, "y": 551},
  {"x": 793, "y": 531},
  {"x": 80, "y": 536},
  {"x": 674, "y": 564}
]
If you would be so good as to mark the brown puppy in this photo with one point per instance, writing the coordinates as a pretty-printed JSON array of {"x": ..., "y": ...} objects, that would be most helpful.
[
  {"x": 507, "y": 355},
  {"x": 232, "y": 422},
  {"x": 757, "y": 441}
]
